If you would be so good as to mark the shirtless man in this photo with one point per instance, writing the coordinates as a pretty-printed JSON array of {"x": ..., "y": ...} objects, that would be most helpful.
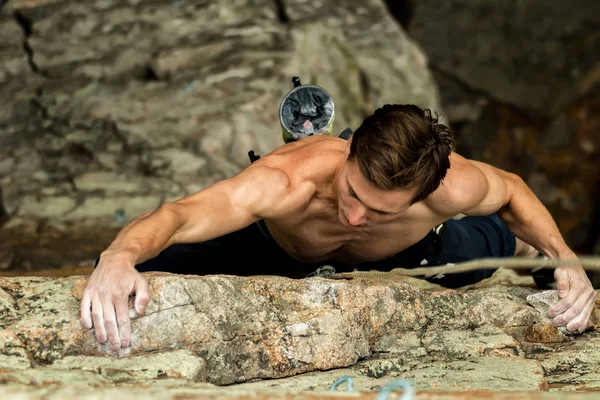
[{"x": 376, "y": 201}]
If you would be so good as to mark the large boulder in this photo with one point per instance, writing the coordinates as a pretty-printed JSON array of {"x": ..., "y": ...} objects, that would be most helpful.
[{"x": 257, "y": 333}]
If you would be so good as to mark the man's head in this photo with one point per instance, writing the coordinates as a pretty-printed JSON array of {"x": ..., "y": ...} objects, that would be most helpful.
[{"x": 397, "y": 157}]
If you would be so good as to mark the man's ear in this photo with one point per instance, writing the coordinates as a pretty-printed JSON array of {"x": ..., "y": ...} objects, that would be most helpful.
[{"x": 347, "y": 152}]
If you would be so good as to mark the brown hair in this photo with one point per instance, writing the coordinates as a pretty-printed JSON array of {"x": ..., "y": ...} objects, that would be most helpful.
[{"x": 403, "y": 146}]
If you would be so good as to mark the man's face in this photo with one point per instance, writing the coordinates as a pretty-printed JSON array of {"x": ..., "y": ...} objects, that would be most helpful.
[{"x": 361, "y": 203}]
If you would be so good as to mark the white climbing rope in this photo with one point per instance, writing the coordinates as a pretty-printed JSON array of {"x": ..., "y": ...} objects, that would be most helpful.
[{"x": 589, "y": 263}]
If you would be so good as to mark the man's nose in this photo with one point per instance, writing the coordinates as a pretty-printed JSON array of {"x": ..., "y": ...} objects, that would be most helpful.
[{"x": 357, "y": 215}]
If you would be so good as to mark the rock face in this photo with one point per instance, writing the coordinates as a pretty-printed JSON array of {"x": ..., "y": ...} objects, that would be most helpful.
[
  {"x": 519, "y": 81},
  {"x": 514, "y": 51},
  {"x": 112, "y": 107},
  {"x": 224, "y": 330}
]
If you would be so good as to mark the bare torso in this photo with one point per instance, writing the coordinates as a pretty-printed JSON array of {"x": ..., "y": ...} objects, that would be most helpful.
[{"x": 314, "y": 232}]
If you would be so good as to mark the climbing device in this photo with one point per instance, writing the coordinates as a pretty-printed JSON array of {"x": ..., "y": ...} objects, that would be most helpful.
[{"x": 407, "y": 386}]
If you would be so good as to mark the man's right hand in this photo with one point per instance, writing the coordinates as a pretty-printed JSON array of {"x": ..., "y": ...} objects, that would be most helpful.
[{"x": 105, "y": 300}]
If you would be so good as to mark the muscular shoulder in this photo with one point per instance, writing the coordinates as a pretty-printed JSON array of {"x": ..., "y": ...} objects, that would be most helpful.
[
  {"x": 313, "y": 158},
  {"x": 464, "y": 186},
  {"x": 284, "y": 181},
  {"x": 270, "y": 191}
]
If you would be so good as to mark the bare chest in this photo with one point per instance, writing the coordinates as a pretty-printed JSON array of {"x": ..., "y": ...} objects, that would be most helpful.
[{"x": 319, "y": 236}]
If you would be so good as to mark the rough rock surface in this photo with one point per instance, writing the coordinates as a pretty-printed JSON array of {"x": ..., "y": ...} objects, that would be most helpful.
[
  {"x": 112, "y": 107},
  {"x": 294, "y": 336},
  {"x": 542, "y": 301}
]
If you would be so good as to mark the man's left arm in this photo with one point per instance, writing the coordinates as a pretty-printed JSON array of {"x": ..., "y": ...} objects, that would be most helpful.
[{"x": 495, "y": 190}]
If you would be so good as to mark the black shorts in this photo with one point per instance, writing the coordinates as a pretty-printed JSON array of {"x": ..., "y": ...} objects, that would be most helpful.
[
  {"x": 467, "y": 239},
  {"x": 253, "y": 251}
]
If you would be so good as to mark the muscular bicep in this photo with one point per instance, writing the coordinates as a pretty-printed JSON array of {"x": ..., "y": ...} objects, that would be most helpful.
[{"x": 471, "y": 188}]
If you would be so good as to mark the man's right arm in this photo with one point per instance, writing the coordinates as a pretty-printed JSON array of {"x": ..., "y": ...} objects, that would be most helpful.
[
  {"x": 258, "y": 192},
  {"x": 226, "y": 206}
]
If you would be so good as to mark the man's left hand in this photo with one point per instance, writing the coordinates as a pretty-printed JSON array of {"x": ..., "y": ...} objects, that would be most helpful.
[{"x": 577, "y": 298}]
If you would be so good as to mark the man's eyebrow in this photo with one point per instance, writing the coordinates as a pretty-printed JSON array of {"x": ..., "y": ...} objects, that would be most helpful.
[{"x": 353, "y": 192}]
